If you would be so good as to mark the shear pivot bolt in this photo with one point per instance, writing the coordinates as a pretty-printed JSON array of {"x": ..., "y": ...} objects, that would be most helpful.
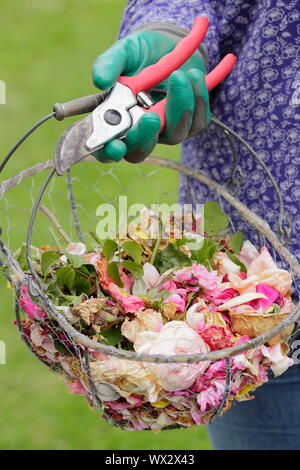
[{"x": 112, "y": 117}]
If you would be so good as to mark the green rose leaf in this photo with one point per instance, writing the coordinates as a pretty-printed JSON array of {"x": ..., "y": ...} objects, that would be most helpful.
[
  {"x": 215, "y": 221},
  {"x": 112, "y": 336},
  {"x": 207, "y": 252},
  {"x": 85, "y": 272},
  {"x": 109, "y": 249},
  {"x": 48, "y": 259},
  {"x": 134, "y": 250},
  {"x": 60, "y": 347},
  {"x": 88, "y": 269},
  {"x": 170, "y": 257},
  {"x": 236, "y": 242},
  {"x": 139, "y": 288},
  {"x": 135, "y": 269},
  {"x": 66, "y": 277},
  {"x": 114, "y": 274},
  {"x": 82, "y": 285},
  {"x": 22, "y": 258},
  {"x": 75, "y": 260},
  {"x": 74, "y": 299},
  {"x": 235, "y": 260},
  {"x": 156, "y": 294}
]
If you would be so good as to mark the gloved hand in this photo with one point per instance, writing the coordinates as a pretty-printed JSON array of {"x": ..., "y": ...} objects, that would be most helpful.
[{"x": 187, "y": 106}]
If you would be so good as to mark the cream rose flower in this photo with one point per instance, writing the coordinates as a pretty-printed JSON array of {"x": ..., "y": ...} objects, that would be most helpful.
[
  {"x": 175, "y": 337},
  {"x": 129, "y": 376}
]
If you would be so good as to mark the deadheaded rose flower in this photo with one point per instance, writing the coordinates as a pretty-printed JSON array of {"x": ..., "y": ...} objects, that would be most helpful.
[
  {"x": 96, "y": 311},
  {"x": 42, "y": 343},
  {"x": 224, "y": 265},
  {"x": 130, "y": 303},
  {"x": 32, "y": 310},
  {"x": 195, "y": 316},
  {"x": 177, "y": 300},
  {"x": 278, "y": 358},
  {"x": 198, "y": 275},
  {"x": 263, "y": 270},
  {"x": 145, "y": 320},
  {"x": 175, "y": 337},
  {"x": 92, "y": 258},
  {"x": 217, "y": 337},
  {"x": 130, "y": 377},
  {"x": 248, "y": 253},
  {"x": 76, "y": 248},
  {"x": 170, "y": 311},
  {"x": 151, "y": 275}
]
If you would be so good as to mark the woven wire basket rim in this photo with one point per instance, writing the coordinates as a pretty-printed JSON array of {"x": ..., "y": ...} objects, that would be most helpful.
[{"x": 36, "y": 290}]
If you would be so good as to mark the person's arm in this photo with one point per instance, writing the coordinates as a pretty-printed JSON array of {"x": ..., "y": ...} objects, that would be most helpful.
[{"x": 150, "y": 30}]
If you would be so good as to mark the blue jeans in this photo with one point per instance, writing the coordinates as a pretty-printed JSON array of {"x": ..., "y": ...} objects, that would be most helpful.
[{"x": 269, "y": 422}]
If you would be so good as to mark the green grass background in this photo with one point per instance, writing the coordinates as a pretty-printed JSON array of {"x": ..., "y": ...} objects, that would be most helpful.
[{"x": 46, "y": 51}]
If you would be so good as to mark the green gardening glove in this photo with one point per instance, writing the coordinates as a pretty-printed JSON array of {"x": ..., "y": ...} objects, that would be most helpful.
[{"x": 187, "y": 106}]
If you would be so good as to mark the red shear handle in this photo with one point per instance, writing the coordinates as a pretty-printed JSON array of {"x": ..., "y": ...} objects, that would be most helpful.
[
  {"x": 212, "y": 79},
  {"x": 156, "y": 73},
  {"x": 220, "y": 71}
]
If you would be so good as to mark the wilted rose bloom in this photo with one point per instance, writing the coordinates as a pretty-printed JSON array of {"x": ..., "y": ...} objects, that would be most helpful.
[
  {"x": 41, "y": 340},
  {"x": 248, "y": 253},
  {"x": 263, "y": 304},
  {"x": 151, "y": 275},
  {"x": 29, "y": 307},
  {"x": 145, "y": 320},
  {"x": 240, "y": 300},
  {"x": 224, "y": 265},
  {"x": 92, "y": 258},
  {"x": 130, "y": 303},
  {"x": 263, "y": 270},
  {"x": 217, "y": 337},
  {"x": 225, "y": 295},
  {"x": 268, "y": 273},
  {"x": 183, "y": 292},
  {"x": 144, "y": 227},
  {"x": 195, "y": 318},
  {"x": 177, "y": 300},
  {"x": 76, "y": 248},
  {"x": 198, "y": 274},
  {"x": 175, "y": 337},
  {"x": 261, "y": 263},
  {"x": 169, "y": 285},
  {"x": 77, "y": 387},
  {"x": 208, "y": 280},
  {"x": 129, "y": 376},
  {"x": 213, "y": 395},
  {"x": 126, "y": 278},
  {"x": 278, "y": 358},
  {"x": 243, "y": 286}
]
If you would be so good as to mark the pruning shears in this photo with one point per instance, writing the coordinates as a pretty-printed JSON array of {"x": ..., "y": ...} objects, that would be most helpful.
[{"x": 114, "y": 112}]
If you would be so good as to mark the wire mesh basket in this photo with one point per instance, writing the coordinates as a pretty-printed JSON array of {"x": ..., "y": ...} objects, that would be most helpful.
[{"x": 55, "y": 200}]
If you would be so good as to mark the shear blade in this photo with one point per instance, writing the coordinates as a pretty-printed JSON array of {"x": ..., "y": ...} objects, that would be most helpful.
[{"x": 71, "y": 147}]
